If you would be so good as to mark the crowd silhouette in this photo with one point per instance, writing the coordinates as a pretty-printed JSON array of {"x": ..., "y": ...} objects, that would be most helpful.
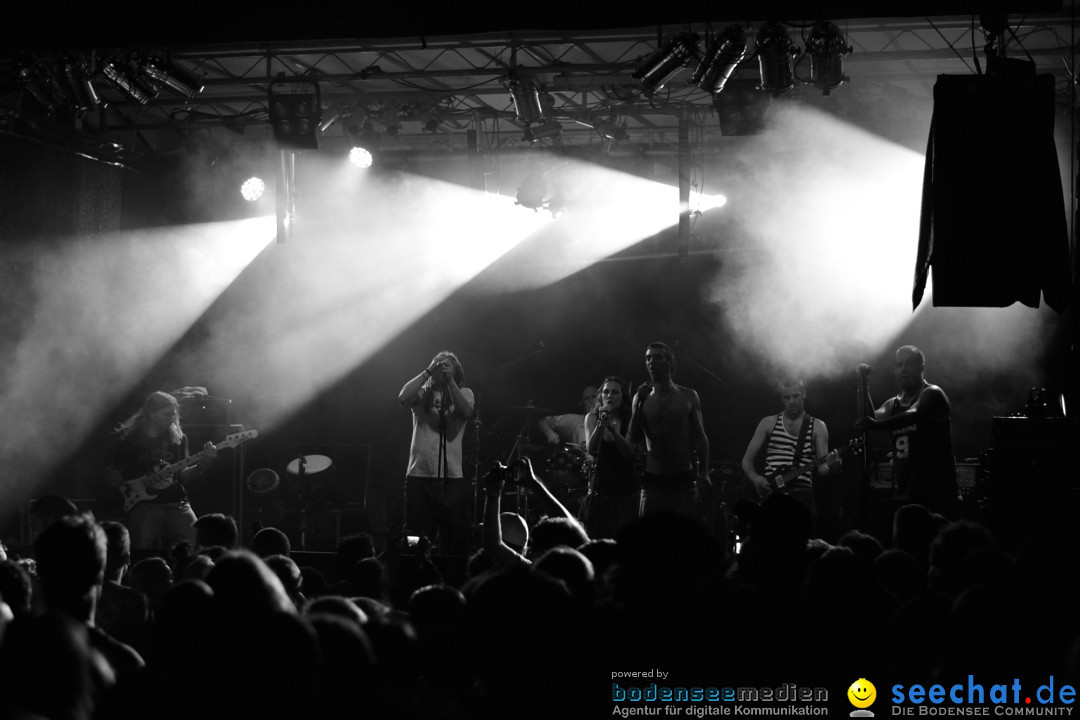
[{"x": 223, "y": 631}]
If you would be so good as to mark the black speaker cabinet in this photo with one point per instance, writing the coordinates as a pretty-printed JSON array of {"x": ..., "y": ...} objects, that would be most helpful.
[{"x": 217, "y": 490}]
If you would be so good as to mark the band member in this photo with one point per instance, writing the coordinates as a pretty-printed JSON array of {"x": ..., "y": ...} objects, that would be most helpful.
[
  {"x": 791, "y": 438},
  {"x": 437, "y": 498},
  {"x": 924, "y": 469},
  {"x": 668, "y": 417},
  {"x": 614, "y": 494},
  {"x": 569, "y": 428},
  {"x": 150, "y": 438}
]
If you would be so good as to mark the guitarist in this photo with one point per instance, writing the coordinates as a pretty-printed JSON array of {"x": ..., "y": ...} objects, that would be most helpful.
[
  {"x": 790, "y": 439},
  {"x": 149, "y": 438}
]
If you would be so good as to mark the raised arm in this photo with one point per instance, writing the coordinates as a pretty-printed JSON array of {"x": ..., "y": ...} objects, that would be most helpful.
[
  {"x": 410, "y": 391},
  {"x": 503, "y": 554},
  {"x": 462, "y": 398},
  {"x": 523, "y": 473}
]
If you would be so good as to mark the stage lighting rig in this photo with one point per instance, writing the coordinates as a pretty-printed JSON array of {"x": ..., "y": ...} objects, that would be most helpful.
[
  {"x": 826, "y": 48},
  {"x": 295, "y": 113},
  {"x": 526, "y": 96},
  {"x": 161, "y": 73},
  {"x": 776, "y": 53},
  {"x": 39, "y": 84},
  {"x": 657, "y": 69},
  {"x": 79, "y": 89},
  {"x": 118, "y": 73},
  {"x": 722, "y": 57}
]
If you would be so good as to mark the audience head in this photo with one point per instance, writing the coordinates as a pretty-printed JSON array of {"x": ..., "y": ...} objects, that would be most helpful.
[
  {"x": 118, "y": 550},
  {"x": 46, "y": 510},
  {"x": 16, "y": 588},
  {"x": 554, "y": 531},
  {"x": 515, "y": 531},
  {"x": 354, "y": 548},
  {"x": 152, "y": 577},
  {"x": 336, "y": 605},
  {"x": 288, "y": 572},
  {"x": 244, "y": 586},
  {"x": 216, "y": 529},
  {"x": 71, "y": 556},
  {"x": 573, "y": 569},
  {"x": 270, "y": 541}
]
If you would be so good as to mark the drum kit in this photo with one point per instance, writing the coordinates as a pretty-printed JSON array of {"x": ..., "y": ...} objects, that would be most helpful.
[
  {"x": 565, "y": 468},
  {"x": 310, "y": 476}
]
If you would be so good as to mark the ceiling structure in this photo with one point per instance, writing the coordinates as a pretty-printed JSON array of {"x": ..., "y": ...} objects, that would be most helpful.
[{"x": 448, "y": 94}]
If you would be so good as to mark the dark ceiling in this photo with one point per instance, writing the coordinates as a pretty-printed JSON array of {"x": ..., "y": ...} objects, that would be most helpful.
[{"x": 129, "y": 24}]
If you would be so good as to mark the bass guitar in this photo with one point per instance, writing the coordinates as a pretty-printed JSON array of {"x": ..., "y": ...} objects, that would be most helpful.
[
  {"x": 133, "y": 492},
  {"x": 779, "y": 477}
]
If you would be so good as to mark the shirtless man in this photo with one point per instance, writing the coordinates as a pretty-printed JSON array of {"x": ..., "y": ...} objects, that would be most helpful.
[{"x": 668, "y": 417}]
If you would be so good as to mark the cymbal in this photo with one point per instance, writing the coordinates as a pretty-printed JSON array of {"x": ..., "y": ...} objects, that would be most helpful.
[
  {"x": 312, "y": 464},
  {"x": 531, "y": 407}
]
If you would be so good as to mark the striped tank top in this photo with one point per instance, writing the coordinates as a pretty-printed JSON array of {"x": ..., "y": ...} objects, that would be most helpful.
[{"x": 780, "y": 451}]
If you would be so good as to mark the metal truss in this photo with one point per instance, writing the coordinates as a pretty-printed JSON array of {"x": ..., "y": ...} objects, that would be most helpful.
[{"x": 448, "y": 94}]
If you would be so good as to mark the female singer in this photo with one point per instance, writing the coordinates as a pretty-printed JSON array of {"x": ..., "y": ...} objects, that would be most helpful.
[{"x": 614, "y": 490}]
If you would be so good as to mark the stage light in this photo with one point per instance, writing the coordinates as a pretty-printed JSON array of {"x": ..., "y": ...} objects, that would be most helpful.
[
  {"x": 775, "y": 53},
  {"x": 549, "y": 130},
  {"x": 38, "y": 83},
  {"x": 661, "y": 66},
  {"x": 699, "y": 202},
  {"x": 295, "y": 115},
  {"x": 610, "y": 130},
  {"x": 723, "y": 55},
  {"x": 117, "y": 73},
  {"x": 164, "y": 74},
  {"x": 80, "y": 91},
  {"x": 526, "y": 97},
  {"x": 252, "y": 189},
  {"x": 825, "y": 45},
  {"x": 328, "y": 122},
  {"x": 361, "y": 157},
  {"x": 741, "y": 108}
]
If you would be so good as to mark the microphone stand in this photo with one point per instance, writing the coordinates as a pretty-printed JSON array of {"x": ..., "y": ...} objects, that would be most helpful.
[
  {"x": 477, "y": 422},
  {"x": 301, "y": 468},
  {"x": 863, "y": 411}
]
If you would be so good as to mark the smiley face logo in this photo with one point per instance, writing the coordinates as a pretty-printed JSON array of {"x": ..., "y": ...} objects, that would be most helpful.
[{"x": 862, "y": 693}]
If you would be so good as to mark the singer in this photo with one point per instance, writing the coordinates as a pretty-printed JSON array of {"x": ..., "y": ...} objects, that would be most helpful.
[
  {"x": 437, "y": 498},
  {"x": 918, "y": 420},
  {"x": 668, "y": 417},
  {"x": 614, "y": 491}
]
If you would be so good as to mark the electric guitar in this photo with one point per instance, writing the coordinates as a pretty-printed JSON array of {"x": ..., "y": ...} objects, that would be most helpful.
[
  {"x": 133, "y": 492},
  {"x": 779, "y": 477}
]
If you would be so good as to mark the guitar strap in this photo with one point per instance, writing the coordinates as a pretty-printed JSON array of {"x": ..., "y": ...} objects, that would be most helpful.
[{"x": 804, "y": 433}]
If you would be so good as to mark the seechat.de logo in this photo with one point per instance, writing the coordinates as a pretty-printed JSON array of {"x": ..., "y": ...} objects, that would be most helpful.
[{"x": 862, "y": 695}]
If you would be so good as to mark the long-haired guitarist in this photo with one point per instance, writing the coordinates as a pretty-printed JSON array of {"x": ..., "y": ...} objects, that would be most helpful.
[
  {"x": 150, "y": 438},
  {"x": 792, "y": 439}
]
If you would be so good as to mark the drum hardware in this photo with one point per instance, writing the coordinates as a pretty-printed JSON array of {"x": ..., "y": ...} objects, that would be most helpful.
[{"x": 308, "y": 467}]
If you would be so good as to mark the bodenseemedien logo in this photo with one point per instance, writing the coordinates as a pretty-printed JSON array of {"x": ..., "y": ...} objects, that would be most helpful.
[{"x": 862, "y": 694}]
